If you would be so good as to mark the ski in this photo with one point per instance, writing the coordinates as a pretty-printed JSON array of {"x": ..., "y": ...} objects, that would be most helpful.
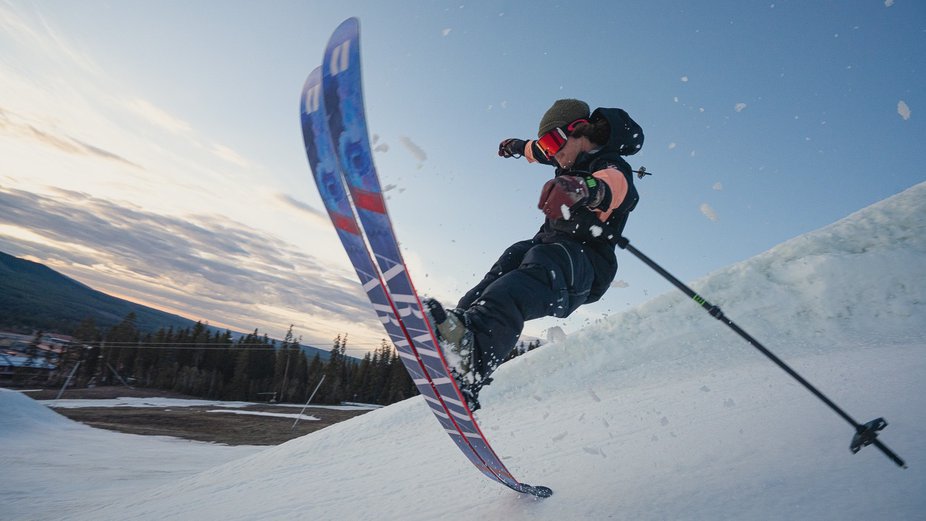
[
  {"x": 328, "y": 180},
  {"x": 344, "y": 150}
]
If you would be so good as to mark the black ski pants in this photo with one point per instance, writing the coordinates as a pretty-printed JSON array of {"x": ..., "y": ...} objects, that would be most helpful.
[{"x": 530, "y": 280}]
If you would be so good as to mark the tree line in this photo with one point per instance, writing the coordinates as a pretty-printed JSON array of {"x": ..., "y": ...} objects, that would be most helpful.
[{"x": 201, "y": 362}]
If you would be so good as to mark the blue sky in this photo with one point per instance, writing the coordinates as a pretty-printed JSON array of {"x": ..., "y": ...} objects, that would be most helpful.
[{"x": 152, "y": 149}]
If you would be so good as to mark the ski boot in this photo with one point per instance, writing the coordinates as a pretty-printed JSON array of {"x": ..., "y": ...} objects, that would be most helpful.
[{"x": 457, "y": 343}]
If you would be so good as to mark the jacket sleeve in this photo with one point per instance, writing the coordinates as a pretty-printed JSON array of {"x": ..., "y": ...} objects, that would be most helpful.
[
  {"x": 617, "y": 185},
  {"x": 534, "y": 155}
]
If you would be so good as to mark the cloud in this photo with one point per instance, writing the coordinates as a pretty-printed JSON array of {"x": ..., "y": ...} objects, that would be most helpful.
[
  {"x": 18, "y": 27},
  {"x": 104, "y": 154},
  {"x": 150, "y": 208},
  {"x": 11, "y": 124},
  {"x": 229, "y": 155},
  {"x": 207, "y": 266},
  {"x": 292, "y": 202},
  {"x": 158, "y": 117}
]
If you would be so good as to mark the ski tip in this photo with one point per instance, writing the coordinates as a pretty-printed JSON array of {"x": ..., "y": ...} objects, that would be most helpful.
[
  {"x": 538, "y": 491},
  {"x": 349, "y": 28}
]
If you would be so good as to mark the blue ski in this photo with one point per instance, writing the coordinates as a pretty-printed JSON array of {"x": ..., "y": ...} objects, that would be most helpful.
[
  {"x": 341, "y": 154},
  {"x": 329, "y": 182}
]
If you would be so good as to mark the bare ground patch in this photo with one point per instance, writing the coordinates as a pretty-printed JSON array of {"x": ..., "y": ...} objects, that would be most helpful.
[{"x": 195, "y": 423}]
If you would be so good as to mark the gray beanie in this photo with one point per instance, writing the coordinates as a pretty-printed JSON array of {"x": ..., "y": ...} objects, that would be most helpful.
[{"x": 562, "y": 113}]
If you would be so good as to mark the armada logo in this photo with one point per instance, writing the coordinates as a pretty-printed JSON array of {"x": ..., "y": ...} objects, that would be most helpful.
[
  {"x": 340, "y": 58},
  {"x": 312, "y": 97}
]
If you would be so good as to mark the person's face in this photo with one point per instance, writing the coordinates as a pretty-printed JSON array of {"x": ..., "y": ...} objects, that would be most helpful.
[{"x": 574, "y": 146}]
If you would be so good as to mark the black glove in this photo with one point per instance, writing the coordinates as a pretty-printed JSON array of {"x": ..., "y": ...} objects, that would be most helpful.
[{"x": 511, "y": 147}]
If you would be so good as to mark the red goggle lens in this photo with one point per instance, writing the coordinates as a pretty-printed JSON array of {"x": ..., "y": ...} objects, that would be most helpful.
[{"x": 551, "y": 142}]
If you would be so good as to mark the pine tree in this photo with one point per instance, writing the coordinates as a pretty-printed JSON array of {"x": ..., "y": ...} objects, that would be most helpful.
[
  {"x": 87, "y": 335},
  {"x": 315, "y": 373},
  {"x": 87, "y": 331},
  {"x": 241, "y": 379},
  {"x": 333, "y": 387},
  {"x": 115, "y": 356}
]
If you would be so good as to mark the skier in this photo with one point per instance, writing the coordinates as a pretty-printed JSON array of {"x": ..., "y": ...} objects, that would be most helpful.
[{"x": 569, "y": 262}]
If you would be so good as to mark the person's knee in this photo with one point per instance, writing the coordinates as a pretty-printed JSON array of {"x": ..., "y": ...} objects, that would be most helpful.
[{"x": 566, "y": 270}]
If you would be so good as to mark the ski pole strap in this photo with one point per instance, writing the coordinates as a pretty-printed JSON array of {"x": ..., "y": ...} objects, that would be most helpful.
[{"x": 864, "y": 434}]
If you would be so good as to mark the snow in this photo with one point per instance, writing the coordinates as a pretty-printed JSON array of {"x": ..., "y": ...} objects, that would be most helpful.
[
  {"x": 54, "y": 467},
  {"x": 167, "y": 403},
  {"x": 903, "y": 109},
  {"x": 142, "y": 403},
  {"x": 269, "y": 414},
  {"x": 657, "y": 413}
]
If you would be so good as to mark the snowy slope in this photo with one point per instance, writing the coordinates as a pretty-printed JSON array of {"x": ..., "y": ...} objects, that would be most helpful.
[
  {"x": 51, "y": 467},
  {"x": 657, "y": 413}
]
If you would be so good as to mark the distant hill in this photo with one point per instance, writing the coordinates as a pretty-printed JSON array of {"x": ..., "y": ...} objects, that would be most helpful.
[{"x": 34, "y": 296}]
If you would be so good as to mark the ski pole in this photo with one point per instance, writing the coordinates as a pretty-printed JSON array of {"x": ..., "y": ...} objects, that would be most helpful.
[
  {"x": 866, "y": 434},
  {"x": 306, "y": 406}
]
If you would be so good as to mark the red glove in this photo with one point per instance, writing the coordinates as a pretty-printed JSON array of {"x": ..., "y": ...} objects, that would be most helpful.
[{"x": 561, "y": 194}]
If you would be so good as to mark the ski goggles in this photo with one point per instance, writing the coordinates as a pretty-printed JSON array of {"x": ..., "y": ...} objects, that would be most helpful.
[{"x": 554, "y": 140}]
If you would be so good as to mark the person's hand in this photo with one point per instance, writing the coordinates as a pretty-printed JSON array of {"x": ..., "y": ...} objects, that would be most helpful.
[
  {"x": 511, "y": 147},
  {"x": 561, "y": 194}
]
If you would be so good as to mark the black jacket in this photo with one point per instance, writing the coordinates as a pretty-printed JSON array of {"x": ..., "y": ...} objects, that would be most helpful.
[{"x": 584, "y": 226}]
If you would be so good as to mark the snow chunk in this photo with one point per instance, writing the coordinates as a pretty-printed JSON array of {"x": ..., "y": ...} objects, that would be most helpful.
[
  {"x": 415, "y": 150},
  {"x": 708, "y": 212},
  {"x": 903, "y": 110}
]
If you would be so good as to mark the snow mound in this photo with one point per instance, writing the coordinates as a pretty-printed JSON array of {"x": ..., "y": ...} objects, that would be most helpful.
[
  {"x": 658, "y": 413},
  {"x": 854, "y": 283},
  {"x": 21, "y": 415},
  {"x": 54, "y": 467}
]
